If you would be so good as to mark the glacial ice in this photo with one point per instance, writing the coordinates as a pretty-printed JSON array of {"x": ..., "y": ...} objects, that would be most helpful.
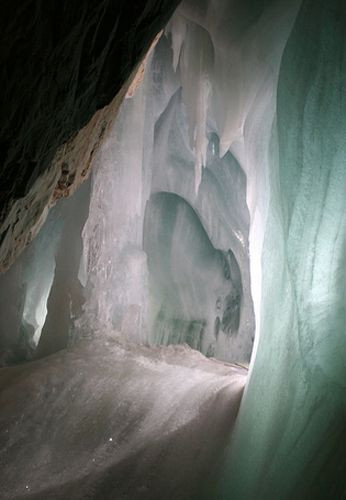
[
  {"x": 229, "y": 161},
  {"x": 297, "y": 384}
]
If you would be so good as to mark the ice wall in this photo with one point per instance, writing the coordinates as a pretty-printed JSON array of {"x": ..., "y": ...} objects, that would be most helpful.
[{"x": 291, "y": 430}]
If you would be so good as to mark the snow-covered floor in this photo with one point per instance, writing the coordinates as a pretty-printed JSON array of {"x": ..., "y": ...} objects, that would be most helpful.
[{"x": 108, "y": 420}]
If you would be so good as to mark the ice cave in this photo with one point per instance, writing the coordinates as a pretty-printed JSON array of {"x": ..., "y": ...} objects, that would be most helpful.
[{"x": 173, "y": 250}]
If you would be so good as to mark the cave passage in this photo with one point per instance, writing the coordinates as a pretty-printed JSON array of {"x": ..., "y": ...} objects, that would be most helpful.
[{"x": 176, "y": 328}]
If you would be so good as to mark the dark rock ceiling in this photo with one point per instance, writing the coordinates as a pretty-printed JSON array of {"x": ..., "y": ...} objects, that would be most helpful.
[{"x": 61, "y": 61}]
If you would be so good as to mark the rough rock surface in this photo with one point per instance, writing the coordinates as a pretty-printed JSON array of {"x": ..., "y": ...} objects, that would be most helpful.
[{"x": 61, "y": 62}]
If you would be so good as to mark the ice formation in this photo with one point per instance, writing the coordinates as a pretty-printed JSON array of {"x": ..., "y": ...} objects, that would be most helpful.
[
  {"x": 166, "y": 243},
  {"x": 229, "y": 161}
]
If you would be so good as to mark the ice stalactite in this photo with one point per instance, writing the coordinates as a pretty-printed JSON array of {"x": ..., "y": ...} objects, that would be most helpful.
[{"x": 195, "y": 68}]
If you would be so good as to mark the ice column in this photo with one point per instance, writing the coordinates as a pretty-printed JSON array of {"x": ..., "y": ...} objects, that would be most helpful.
[{"x": 113, "y": 268}]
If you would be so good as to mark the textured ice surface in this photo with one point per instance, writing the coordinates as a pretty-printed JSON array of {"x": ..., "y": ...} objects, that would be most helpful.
[
  {"x": 115, "y": 421},
  {"x": 297, "y": 388},
  {"x": 144, "y": 272}
]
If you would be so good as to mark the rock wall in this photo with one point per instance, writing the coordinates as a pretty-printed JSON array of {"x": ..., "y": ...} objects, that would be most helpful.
[{"x": 66, "y": 68}]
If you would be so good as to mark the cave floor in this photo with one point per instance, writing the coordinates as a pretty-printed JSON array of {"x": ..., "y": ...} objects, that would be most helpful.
[{"x": 111, "y": 420}]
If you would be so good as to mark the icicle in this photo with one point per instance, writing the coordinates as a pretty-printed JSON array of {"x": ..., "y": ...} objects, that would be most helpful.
[
  {"x": 200, "y": 136},
  {"x": 177, "y": 27}
]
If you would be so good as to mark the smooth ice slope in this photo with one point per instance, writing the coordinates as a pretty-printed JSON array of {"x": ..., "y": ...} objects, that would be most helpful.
[{"x": 115, "y": 421}]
